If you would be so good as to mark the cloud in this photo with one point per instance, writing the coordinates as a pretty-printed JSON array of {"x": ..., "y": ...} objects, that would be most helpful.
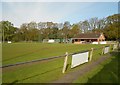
[
  {"x": 26, "y": 12},
  {"x": 23, "y": 12}
]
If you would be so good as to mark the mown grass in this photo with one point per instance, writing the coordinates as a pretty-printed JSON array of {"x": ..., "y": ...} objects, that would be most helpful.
[
  {"x": 91, "y": 73},
  {"x": 109, "y": 74},
  {"x": 40, "y": 72},
  {"x": 106, "y": 72},
  {"x": 21, "y": 52}
]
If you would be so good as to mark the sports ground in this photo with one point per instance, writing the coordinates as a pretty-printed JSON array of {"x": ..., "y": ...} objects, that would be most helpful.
[{"x": 50, "y": 70}]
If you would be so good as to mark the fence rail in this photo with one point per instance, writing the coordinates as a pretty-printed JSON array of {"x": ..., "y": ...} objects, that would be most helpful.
[{"x": 38, "y": 60}]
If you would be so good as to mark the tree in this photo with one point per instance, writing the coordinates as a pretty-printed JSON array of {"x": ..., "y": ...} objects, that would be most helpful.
[
  {"x": 93, "y": 23},
  {"x": 75, "y": 30},
  {"x": 38, "y": 31},
  {"x": 32, "y": 25},
  {"x": 24, "y": 32},
  {"x": 84, "y": 25},
  {"x": 65, "y": 30},
  {"x": 33, "y": 32},
  {"x": 28, "y": 32},
  {"x": 111, "y": 32},
  {"x": 111, "y": 29},
  {"x": 8, "y": 30},
  {"x": 49, "y": 24},
  {"x": 54, "y": 33},
  {"x": 102, "y": 23}
]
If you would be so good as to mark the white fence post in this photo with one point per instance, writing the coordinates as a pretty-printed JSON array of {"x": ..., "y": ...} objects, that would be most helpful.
[
  {"x": 65, "y": 62},
  {"x": 91, "y": 53}
]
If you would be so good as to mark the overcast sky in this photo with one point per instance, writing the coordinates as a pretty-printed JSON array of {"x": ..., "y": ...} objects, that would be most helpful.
[{"x": 24, "y": 12}]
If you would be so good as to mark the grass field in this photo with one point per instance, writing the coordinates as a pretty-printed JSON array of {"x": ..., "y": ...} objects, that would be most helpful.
[
  {"x": 106, "y": 72},
  {"x": 100, "y": 74},
  {"x": 39, "y": 72},
  {"x": 109, "y": 74},
  {"x": 20, "y": 52}
]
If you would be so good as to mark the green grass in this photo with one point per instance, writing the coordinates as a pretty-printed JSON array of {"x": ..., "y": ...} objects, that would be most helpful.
[
  {"x": 39, "y": 72},
  {"x": 21, "y": 52},
  {"x": 91, "y": 73},
  {"x": 109, "y": 74},
  {"x": 34, "y": 72},
  {"x": 106, "y": 72}
]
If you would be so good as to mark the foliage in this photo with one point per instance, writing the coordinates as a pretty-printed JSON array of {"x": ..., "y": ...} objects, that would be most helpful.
[
  {"x": 8, "y": 30},
  {"x": 111, "y": 30},
  {"x": 48, "y": 30},
  {"x": 75, "y": 30}
]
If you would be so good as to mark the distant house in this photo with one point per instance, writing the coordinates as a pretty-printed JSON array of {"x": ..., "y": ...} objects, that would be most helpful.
[{"x": 88, "y": 38}]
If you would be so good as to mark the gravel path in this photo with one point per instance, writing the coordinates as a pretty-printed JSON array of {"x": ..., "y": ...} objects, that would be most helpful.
[{"x": 70, "y": 77}]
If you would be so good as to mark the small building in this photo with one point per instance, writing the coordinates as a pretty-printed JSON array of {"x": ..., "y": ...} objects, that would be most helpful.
[
  {"x": 51, "y": 40},
  {"x": 57, "y": 40},
  {"x": 88, "y": 38}
]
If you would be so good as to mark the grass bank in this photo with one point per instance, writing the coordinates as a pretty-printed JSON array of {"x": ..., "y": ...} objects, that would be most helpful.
[{"x": 106, "y": 72}]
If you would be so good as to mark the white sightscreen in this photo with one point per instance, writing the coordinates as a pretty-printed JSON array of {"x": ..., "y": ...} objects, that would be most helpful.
[
  {"x": 80, "y": 58},
  {"x": 106, "y": 50},
  {"x": 115, "y": 46}
]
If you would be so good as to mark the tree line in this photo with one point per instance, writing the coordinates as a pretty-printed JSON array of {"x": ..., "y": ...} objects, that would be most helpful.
[{"x": 38, "y": 31}]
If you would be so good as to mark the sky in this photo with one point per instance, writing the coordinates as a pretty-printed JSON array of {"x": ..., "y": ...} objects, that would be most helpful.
[{"x": 25, "y": 12}]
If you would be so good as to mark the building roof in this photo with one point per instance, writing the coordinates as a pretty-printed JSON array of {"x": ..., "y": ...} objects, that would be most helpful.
[{"x": 88, "y": 35}]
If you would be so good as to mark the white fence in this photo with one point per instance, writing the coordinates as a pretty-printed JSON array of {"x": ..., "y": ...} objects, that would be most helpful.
[
  {"x": 80, "y": 58},
  {"x": 103, "y": 42},
  {"x": 114, "y": 46},
  {"x": 106, "y": 50},
  {"x": 94, "y": 42}
]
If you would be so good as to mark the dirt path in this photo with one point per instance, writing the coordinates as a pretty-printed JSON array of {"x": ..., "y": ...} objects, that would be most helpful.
[{"x": 70, "y": 77}]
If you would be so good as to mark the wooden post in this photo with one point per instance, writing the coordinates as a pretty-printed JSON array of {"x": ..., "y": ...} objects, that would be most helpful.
[
  {"x": 110, "y": 48},
  {"x": 114, "y": 47},
  {"x": 103, "y": 50},
  {"x": 65, "y": 62},
  {"x": 117, "y": 45},
  {"x": 91, "y": 53}
]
